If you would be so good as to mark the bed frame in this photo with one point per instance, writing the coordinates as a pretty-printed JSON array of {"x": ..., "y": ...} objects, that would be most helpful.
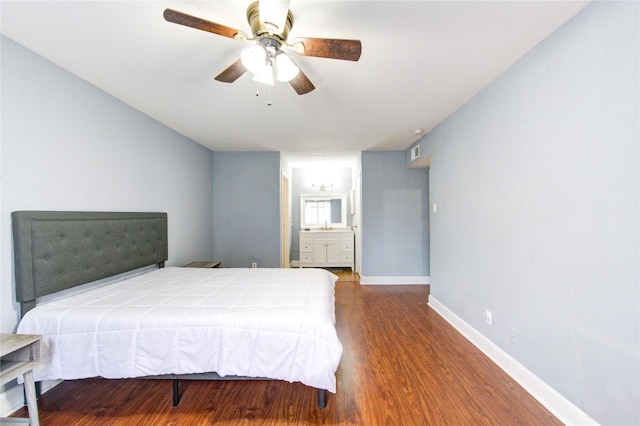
[
  {"x": 56, "y": 250},
  {"x": 59, "y": 250}
]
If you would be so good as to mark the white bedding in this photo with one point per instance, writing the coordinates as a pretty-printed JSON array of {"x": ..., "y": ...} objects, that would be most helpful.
[{"x": 271, "y": 323}]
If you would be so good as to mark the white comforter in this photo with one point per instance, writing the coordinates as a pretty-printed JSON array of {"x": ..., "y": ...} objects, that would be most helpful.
[{"x": 272, "y": 323}]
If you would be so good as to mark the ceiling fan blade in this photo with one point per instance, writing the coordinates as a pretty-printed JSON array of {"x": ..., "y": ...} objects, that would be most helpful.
[
  {"x": 301, "y": 83},
  {"x": 182, "y": 18},
  {"x": 348, "y": 50},
  {"x": 232, "y": 73}
]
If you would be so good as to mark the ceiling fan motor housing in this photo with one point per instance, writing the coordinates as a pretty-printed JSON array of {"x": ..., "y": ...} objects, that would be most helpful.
[{"x": 260, "y": 30}]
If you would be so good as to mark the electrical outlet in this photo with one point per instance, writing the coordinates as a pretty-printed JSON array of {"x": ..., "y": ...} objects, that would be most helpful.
[
  {"x": 488, "y": 318},
  {"x": 254, "y": 265},
  {"x": 513, "y": 335}
]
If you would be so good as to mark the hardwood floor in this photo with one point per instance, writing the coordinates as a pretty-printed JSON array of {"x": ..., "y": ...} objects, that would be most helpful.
[{"x": 402, "y": 365}]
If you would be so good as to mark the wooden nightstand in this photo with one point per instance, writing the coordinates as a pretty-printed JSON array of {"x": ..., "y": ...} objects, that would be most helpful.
[
  {"x": 204, "y": 264},
  {"x": 19, "y": 354}
]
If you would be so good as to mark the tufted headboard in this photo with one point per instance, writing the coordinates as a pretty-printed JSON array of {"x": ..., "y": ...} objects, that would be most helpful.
[{"x": 56, "y": 250}]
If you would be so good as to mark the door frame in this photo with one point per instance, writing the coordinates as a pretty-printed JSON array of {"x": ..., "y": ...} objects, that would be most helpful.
[
  {"x": 285, "y": 222},
  {"x": 357, "y": 220}
]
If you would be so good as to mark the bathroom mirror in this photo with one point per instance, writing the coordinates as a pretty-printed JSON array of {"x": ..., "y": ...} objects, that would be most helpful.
[{"x": 323, "y": 211}]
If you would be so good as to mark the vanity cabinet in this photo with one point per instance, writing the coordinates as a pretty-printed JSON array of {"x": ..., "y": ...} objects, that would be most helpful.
[{"x": 326, "y": 248}]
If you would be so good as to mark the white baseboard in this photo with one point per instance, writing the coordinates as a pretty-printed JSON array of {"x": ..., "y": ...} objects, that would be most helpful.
[
  {"x": 551, "y": 399},
  {"x": 394, "y": 280},
  {"x": 12, "y": 399}
]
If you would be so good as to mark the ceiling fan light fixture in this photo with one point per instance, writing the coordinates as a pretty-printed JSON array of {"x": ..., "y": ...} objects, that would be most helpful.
[
  {"x": 264, "y": 75},
  {"x": 254, "y": 58},
  {"x": 286, "y": 70}
]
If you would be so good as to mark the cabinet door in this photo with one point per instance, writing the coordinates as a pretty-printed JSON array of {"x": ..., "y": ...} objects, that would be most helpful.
[
  {"x": 333, "y": 251},
  {"x": 319, "y": 251}
]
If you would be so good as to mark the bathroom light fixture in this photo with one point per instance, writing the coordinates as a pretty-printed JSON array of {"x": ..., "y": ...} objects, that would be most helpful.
[{"x": 321, "y": 187}]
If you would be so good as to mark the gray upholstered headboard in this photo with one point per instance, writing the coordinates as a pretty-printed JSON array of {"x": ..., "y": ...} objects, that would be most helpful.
[{"x": 55, "y": 250}]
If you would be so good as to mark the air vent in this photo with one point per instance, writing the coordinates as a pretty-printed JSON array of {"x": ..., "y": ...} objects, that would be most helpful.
[{"x": 415, "y": 152}]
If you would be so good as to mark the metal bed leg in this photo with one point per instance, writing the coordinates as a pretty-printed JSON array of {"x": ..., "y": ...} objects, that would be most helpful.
[
  {"x": 176, "y": 393},
  {"x": 322, "y": 398}
]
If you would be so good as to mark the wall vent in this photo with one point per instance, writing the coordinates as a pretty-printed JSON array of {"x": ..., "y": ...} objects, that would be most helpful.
[{"x": 415, "y": 152}]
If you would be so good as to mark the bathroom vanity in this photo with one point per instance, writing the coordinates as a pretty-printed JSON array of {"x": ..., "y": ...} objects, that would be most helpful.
[
  {"x": 325, "y": 238},
  {"x": 326, "y": 248}
]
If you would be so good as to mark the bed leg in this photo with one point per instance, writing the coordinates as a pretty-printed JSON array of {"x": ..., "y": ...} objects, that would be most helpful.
[
  {"x": 176, "y": 393},
  {"x": 322, "y": 398}
]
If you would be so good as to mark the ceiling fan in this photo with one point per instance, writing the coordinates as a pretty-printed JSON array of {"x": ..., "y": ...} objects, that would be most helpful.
[{"x": 271, "y": 21}]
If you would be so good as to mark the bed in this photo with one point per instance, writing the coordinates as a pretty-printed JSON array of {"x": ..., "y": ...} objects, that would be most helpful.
[{"x": 162, "y": 322}]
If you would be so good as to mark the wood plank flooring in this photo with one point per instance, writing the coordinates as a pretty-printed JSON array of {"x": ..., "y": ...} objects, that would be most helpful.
[{"x": 402, "y": 365}]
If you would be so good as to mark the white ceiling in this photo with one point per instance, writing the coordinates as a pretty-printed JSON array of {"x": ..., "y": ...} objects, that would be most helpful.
[{"x": 421, "y": 61}]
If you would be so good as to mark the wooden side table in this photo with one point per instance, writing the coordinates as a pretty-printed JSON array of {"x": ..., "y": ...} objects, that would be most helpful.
[
  {"x": 19, "y": 354},
  {"x": 204, "y": 264}
]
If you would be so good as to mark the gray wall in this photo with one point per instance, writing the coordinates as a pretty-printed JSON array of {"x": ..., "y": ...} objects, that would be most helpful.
[
  {"x": 537, "y": 190},
  {"x": 246, "y": 209},
  {"x": 301, "y": 184},
  {"x": 66, "y": 145},
  {"x": 395, "y": 216}
]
